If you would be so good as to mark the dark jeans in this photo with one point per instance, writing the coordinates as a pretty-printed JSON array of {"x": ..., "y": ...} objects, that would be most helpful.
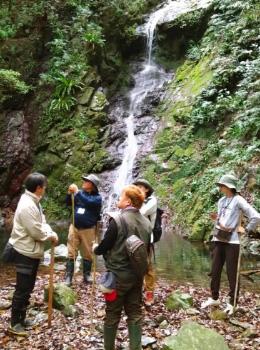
[
  {"x": 224, "y": 253},
  {"x": 129, "y": 297},
  {"x": 26, "y": 271}
]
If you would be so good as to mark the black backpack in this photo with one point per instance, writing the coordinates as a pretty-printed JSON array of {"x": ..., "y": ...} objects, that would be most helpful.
[
  {"x": 157, "y": 230},
  {"x": 136, "y": 249}
]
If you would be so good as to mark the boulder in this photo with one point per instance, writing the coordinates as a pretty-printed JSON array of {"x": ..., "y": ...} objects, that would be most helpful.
[
  {"x": 193, "y": 336},
  {"x": 63, "y": 296},
  {"x": 85, "y": 97},
  {"x": 60, "y": 252},
  {"x": 218, "y": 315},
  {"x": 179, "y": 300}
]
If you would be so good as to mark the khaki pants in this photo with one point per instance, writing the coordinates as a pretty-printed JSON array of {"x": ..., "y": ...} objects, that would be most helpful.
[
  {"x": 150, "y": 277},
  {"x": 76, "y": 238},
  {"x": 129, "y": 297}
]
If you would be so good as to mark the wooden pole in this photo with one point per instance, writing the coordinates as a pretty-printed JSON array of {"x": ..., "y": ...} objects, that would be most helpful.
[
  {"x": 238, "y": 262},
  {"x": 94, "y": 279},
  {"x": 51, "y": 285},
  {"x": 73, "y": 226},
  {"x": 238, "y": 272}
]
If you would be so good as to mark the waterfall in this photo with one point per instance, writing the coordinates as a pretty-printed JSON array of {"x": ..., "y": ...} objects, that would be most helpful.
[{"x": 150, "y": 78}]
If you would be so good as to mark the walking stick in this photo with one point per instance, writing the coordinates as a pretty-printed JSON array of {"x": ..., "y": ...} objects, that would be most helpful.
[
  {"x": 238, "y": 263},
  {"x": 94, "y": 279},
  {"x": 51, "y": 285},
  {"x": 73, "y": 227}
]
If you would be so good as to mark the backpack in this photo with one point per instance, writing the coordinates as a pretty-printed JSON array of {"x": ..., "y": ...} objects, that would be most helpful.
[
  {"x": 136, "y": 250},
  {"x": 157, "y": 230}
]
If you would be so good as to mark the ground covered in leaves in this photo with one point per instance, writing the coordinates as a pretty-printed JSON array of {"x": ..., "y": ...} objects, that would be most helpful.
[{"x": 74, "y": 332}]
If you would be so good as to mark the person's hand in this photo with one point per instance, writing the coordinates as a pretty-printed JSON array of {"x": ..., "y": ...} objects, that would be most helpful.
[
  {"x": 54, "y": 238},
  {"x": 73, "y": 189},
  {"x": 213, "y": 216},
  {"x": 241, "y": 229},
  {"x": 94, "y": 247}
]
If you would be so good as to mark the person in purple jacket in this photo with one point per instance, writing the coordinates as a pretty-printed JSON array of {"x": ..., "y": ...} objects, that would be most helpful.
[{"x": 86, "y": 212}]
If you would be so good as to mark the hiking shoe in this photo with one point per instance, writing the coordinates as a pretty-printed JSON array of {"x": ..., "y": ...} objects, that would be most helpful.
[
  {"x": 149, "y": 298},
  {"x": 27, "y": 323},
  {"x": 210, "y": 302},
  {"x": 229, "y": 309},
  {"x": 17, "y": 329}
]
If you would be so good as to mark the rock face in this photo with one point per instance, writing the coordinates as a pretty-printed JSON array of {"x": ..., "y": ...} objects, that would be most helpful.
[
  {"x": 195, "y": 337},
  {"x": 179, "y": 300},
  {"x": 63, "y": 296}
]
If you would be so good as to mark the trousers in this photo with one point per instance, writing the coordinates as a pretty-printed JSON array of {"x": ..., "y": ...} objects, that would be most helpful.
[
  {"x": 129, "y": 298},
  {"x": 26, "y": 272},
  {"x": 224, "y": 253},
  {"x": 149, "y": 278},
  {"x": 80, "y": 237}
]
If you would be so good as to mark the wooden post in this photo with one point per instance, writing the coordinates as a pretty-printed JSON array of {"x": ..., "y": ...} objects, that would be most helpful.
[
  {"x": 94, "y": 279},
  {"x": 73, "y": 227},
  {"x": 51, "y": 285}
]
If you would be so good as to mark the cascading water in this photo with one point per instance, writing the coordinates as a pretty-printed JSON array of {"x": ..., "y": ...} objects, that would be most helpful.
[{"x": 148, "y": 80}]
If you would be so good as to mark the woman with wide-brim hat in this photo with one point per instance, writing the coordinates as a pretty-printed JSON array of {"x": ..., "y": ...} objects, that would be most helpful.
[{"x": 226, "y": 238}]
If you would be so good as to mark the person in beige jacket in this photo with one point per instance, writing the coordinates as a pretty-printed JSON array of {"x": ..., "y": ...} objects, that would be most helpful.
[{"x": 29, "y": 234}]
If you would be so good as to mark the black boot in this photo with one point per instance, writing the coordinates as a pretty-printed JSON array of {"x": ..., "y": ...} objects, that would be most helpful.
[
  {"x": 86, "y": 271},
  {"x": 69, "y": 272}
]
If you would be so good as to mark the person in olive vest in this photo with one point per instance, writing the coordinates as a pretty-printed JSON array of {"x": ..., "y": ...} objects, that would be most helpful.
[
  {"x": 87, "y": 213},
  {"x": 29, "y": 234},
  {"x": 149, "y": 210},
  {"x": 128, "y": 286}
]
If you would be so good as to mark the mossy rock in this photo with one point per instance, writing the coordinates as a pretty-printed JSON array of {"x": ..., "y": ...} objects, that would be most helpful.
[
  {"x": 195, "y": 337},
  {"x": 178, "y": 300},
  {"x": 63, "y": 296}
]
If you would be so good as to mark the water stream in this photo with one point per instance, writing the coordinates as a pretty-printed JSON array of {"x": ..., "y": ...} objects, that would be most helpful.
[{"x": 149, "y": 80}]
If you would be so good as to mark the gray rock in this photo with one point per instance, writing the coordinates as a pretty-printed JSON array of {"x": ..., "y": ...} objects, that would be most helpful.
[
  {"x": 159, "y": 319},
  {"x": 4, "y": 305},
  {"x": 71, "y": 310},
  {"x": 10, "y": 294},
  {"x": 147, "y": 341},
  {"x": 193, "y": 336},
  {"x": 249, "y": 333},
  {"x": 100, "y": 328},
  {"x": 179, "y": 300},
  {"x": 163, "y": 325},
  {"x": 244, "y": 325},
  {"x": 41, "y": 317}
]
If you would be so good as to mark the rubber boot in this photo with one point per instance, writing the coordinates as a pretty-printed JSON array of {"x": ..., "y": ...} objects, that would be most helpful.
[
  {"x": 109, "y": 338},
  {"x": 135, "y": 336},
  {"x": 69, "y": 272},
  {"x": 86, "y": 271}
]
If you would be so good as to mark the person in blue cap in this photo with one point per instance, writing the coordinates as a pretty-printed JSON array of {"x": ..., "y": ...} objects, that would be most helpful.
[{"x": 87, "y": 213}]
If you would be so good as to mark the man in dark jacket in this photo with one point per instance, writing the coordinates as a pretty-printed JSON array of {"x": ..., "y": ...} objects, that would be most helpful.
[
  {"x": 128, "y": 285},
  {"x": 87, "y": 213}
]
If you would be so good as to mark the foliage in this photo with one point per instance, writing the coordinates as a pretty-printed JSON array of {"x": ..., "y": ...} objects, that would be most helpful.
[
  {"x": 11, "y": 84},
  {"x": 220, "y": 122}
]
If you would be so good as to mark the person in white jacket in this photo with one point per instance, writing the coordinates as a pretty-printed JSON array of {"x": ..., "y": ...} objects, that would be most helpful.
[
  {"x": 29, "y": 233},
  {"x": 226, "y": 238},
  {"x": 149, "y": 210}
]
